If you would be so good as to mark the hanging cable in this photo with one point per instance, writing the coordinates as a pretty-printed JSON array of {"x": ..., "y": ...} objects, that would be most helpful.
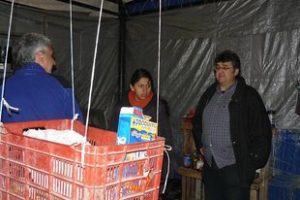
[
  {"x": 166, "y": 150},
  {"x": 6, "y": 56},
  {"x": 72, "y": 65},
  {"x": 158, "y": 63},
  {"x": 167, "y": 147},
  {"x": 92, "y": 80}
]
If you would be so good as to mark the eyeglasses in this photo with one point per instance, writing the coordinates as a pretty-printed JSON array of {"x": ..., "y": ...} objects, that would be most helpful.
[{"x": 218, "y": 68}]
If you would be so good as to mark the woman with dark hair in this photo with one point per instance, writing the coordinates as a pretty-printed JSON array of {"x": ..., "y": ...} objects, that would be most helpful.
[{"x": 141, "y": 94}]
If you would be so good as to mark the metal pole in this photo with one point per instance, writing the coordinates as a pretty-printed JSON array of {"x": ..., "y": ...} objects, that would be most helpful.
[{"x": 122, "y": 36}]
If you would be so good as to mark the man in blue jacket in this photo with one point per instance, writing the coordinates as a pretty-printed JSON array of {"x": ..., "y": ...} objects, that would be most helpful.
[
  {"x": 32, "y": 90},
  {"x": 232, "y": 130}
]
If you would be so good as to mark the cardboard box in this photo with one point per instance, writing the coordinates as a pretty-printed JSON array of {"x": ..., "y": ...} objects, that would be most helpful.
[{"x": 133, "y": 127}]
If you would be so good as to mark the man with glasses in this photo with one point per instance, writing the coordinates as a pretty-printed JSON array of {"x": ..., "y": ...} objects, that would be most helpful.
[
  {"x": 32, "y": 92},
  {"x": 232, "y": 131}
]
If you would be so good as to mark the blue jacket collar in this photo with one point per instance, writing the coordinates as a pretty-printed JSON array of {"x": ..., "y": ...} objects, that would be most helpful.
[{"x": 34, "y": 67}]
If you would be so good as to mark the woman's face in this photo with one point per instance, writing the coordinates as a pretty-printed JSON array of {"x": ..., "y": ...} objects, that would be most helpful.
[{"x": 142, "y": 88}]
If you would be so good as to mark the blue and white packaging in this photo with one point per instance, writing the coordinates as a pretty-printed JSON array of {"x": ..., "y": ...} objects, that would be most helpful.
[{"x": 133, "y": 127}]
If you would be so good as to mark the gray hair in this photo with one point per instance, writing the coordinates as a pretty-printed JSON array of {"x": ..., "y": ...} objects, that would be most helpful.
[{"x": 24, "y": 49}]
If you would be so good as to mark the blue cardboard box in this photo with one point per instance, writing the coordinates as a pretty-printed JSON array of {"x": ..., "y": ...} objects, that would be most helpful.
[{"x": 133, "y": 128}]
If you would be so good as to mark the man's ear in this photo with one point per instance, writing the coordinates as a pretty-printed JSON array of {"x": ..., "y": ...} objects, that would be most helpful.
[
  {"x": 236, "y": 72},
  {"x": 39, "y": 58}
]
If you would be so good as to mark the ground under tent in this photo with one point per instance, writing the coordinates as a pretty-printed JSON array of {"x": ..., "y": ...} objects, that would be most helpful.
[{"x": 266, "y": 35}]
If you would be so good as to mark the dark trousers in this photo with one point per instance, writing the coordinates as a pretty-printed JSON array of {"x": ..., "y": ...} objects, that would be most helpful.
[{"x": 223, "y": 184}]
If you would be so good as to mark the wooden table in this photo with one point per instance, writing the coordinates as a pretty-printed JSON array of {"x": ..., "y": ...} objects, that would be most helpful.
[{"x": 192, "y": 187}]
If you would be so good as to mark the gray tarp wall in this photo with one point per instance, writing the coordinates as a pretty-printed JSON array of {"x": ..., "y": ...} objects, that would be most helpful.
[
  {"x": 56, "y": 26},
  {"x": 265, "y": 33}
]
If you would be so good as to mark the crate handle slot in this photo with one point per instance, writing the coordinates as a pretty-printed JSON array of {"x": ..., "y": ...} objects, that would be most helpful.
[{"x": 35, "y": 128}]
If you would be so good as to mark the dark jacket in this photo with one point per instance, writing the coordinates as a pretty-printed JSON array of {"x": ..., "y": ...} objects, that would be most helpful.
[
  {"x": 164, "y": 129},
  {"x": 250, "y": 128}
]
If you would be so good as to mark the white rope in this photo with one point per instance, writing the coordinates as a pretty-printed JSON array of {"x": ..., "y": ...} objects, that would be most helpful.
[
  {"x": 92, "y": 80},
  {"x": 6, "y": 56},
  {"x": 158, "y": 63},
  {"x": 9, "y": 108},
  {"x": 167, "y": 148},
  {"x": 72, "y": 65}
]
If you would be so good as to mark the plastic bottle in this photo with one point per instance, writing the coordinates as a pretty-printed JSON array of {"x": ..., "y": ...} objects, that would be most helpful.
[{"x": 187, "y": 160}]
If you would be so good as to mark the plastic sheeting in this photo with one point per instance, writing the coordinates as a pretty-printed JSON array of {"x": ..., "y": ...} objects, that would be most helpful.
[
  {"x": 285, "y": 166},
  {"x": 56, "y": 26},
  {"x": 265, "y": 34}
]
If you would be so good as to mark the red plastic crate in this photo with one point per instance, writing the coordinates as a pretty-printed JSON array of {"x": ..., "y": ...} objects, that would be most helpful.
[{"x": 33, "y": 169}]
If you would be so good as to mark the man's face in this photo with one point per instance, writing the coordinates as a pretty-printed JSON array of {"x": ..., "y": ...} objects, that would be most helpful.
[
  {"x": 142, "y": 88},
  {"x": 49, "y": 60},
  {"x": 225, "y": 73},
  {"x": 46, "y": 59}
]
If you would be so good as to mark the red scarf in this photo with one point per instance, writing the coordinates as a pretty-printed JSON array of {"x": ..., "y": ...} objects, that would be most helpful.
[{"x": 142, "y": 103}]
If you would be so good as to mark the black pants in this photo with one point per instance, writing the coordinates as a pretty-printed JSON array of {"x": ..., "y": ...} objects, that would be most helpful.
[{"x": 223, "y": 184}]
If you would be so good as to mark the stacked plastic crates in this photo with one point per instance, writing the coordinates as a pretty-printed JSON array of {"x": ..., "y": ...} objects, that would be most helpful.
[
  {"x": 285, "y": 185},
  {"x": 32, "y": 169}
]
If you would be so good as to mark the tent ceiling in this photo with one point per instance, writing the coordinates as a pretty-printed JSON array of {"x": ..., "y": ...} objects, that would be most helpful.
[
  {"x": 110, "y": 7},
  {"x": 91, "y": 7}
]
